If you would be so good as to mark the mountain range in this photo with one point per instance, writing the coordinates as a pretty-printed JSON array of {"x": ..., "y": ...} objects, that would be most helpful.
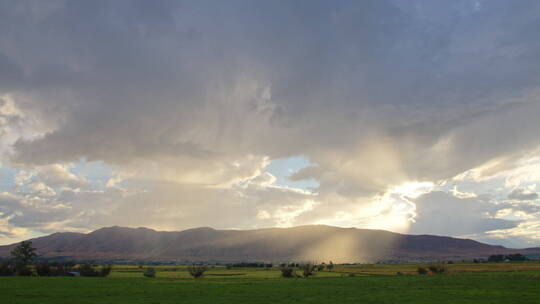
[{"x": 304, "y": 243}]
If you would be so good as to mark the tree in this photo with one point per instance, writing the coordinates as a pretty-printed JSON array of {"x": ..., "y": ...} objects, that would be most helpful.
[
  {"x": 307, "y": 269},
  {"x": 23, "y": 255},
  {"x": 86, "y": 270},
  {"x": 105, "y": 270},
  {"x": 6, "y": 269},
  {"x": 149, "y": 273},
  {"x": 438, "y": 268},
  {"x": 509, "y": 257},
  {"x": 43, "y": 269},
  {"x": 287, "y": 271},
  {"x": 197, "y": 271},
  {"x": 516, "y": 257},
  {"x": 496, "y": 258}
]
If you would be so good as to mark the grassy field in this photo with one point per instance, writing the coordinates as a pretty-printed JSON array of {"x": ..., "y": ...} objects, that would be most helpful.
[{"x": 466, "y": 283}]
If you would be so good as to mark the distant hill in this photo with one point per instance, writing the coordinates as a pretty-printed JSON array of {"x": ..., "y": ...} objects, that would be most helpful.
[{"x": 303, "y": 243}]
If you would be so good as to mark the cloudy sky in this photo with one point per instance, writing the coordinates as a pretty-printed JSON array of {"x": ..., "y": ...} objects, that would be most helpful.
[{"x": 412, "y": 116}]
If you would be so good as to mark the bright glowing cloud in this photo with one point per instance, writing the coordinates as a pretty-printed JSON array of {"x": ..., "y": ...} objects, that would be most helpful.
[{"x": 419, "y": 118}]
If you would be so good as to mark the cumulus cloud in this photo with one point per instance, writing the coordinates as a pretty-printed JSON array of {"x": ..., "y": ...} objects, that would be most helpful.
[
  {"x": 190, "y": 101},
  {"x": 444, "y": 214},
  {"x": 522, "y": 194}
]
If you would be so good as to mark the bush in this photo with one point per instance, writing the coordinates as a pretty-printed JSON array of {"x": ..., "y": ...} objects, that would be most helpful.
[
  {"x": 287, "y": 272},
  {"x": 23, "y": 270},
  {"x": 422, "y": 270},
  {"x": 7, "y": 269},
  {"x": 61, "y": 270},
  {"x": 516, "y": 257},
  {"x": 496, "y": 258},
  {"x": 197, "y": 271},
  {"x": 105, "y": 271},
  {"x": 307, "y": 269},
  {"x": 508, "y": 257},
  {"x": 43, "y": 269},
  {"x": 86, "y": 270},
  {"x": 438, "y": 268},
  {"x": 149, "y": 273}
]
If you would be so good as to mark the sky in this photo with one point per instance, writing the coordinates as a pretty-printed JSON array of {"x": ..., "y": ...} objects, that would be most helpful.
[{"x": 416, "y": 117}]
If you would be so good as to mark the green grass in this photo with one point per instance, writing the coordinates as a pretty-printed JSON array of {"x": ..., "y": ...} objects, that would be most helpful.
[
  {"x": 126, "y": 285},
  {"x": 220, "y": 272}
]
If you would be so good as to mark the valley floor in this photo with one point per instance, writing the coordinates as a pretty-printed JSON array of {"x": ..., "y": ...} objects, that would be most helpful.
[{"x": 513, "y": 283}]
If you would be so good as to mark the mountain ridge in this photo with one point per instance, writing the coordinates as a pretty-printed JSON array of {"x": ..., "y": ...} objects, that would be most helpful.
[{"x": 310, "y": 242}]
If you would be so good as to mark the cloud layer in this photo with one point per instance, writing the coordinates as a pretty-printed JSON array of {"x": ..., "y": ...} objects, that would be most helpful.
[{"x": 186, "y": 103}]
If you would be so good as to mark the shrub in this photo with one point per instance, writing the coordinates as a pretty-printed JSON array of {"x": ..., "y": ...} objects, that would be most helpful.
[
  {"x": 307, "y": 269},
  {"x": 61, "y": 270},
  {"x": 23, "y": 270},
  {"x": 86, "y": 270},
  {"x": 496, "y": 258},
  {"x": 287, "y": 272},
  {"x": 197, "y": 271},
  {"x": 105, "y": 271},
  {"x": 149, "y": 273},
  {"x": 422, "y": 270},
  {"x": 43, "y": 269},
  {"x": 516, "y": 257},
  {"x": 7, "y": 269},
  {"x": 438, "y": 268}
]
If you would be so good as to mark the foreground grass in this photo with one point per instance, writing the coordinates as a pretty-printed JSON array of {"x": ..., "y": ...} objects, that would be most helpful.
[{"x": 493, "y": 287}]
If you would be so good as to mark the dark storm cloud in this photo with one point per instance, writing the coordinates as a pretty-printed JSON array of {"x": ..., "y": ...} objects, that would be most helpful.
[{"x": 373, "y": 93}]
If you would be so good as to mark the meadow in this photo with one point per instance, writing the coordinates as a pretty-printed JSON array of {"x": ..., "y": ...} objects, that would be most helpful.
[{"x": 379, "y": 283}]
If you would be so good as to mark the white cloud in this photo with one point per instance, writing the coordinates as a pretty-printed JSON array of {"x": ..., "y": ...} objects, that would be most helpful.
[
  {"x": 188, "y": 103},
  {"x": 445, "y": 214},
  {"x": 523, "y": 194}
]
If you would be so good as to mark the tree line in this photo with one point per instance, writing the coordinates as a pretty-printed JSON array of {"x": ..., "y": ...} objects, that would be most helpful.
[
  {"x": 22, "y": 263},
  {"x": 507, "y": 257}
]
